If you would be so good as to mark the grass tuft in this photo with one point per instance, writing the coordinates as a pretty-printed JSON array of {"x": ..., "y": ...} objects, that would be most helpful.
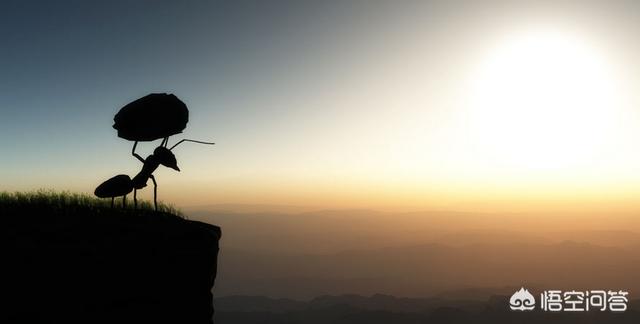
[{"x": 66, "y": 200}]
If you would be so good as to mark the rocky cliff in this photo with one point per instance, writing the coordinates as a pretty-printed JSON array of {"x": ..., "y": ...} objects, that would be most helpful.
[{"x": 103, "y": 265}]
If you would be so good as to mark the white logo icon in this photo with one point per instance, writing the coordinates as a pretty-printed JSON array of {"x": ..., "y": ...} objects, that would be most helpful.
[{"x": 522, "y": 300}]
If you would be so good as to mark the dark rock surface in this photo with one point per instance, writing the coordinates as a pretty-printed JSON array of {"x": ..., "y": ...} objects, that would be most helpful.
[
  {"x": 152, "y": 117},
  {"x": 106, "y": 266}
]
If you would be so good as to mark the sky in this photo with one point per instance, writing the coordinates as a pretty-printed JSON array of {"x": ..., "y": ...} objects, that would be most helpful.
[{"x": 462, "y": 105}]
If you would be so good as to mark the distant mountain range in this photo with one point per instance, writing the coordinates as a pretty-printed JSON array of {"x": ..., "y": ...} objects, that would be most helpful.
[
  {"x": 429, "y": 269},
  {"x": 356, "y": 309},
  {"x": 308, "y": 254},
  {"x": 378, "y": 302}
]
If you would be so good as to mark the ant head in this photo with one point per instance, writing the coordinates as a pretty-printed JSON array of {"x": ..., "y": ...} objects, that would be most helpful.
[{"x": 166, "y": 157}]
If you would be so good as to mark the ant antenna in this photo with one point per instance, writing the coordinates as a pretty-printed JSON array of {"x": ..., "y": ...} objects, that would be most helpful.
[{"x": 190, "y": 140}]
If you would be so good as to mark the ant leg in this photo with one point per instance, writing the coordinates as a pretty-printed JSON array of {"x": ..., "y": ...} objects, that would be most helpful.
[
  {"x": 112, "y": 199},
  {"x": 135, "y": 199},
  {"x": 155, "y": 192},
  {"x": 133, "y": 152},
  {"x": 166, "y": 141},
  {"x": 124, "y": 201}
]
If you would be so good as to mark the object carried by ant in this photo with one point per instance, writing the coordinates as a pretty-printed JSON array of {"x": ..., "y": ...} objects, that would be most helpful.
[{"x": 155, "y": 116}]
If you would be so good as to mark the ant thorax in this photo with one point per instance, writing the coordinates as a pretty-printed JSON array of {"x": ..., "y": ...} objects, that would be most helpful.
[{"x": 151, "y": 163}]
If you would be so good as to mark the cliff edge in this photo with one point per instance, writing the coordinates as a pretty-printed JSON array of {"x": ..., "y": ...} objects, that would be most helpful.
[{"x": 104, "y": 265}]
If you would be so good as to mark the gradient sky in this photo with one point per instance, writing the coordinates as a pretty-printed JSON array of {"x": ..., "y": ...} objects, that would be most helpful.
[{"x": 332, "y": 103}]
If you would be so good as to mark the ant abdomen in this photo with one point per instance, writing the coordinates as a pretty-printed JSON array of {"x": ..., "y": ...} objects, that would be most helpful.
[{"x": 119, "y": 185}]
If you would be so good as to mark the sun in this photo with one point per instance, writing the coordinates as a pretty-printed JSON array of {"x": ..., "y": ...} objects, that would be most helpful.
[{"x": 541, "y": 100}]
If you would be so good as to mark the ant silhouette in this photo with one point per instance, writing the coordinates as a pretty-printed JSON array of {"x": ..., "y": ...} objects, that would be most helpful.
[{"x": 122, "y": 184}]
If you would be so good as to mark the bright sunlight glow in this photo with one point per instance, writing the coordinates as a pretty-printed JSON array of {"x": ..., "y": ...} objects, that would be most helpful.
[{"x": 542, "y": 100}]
